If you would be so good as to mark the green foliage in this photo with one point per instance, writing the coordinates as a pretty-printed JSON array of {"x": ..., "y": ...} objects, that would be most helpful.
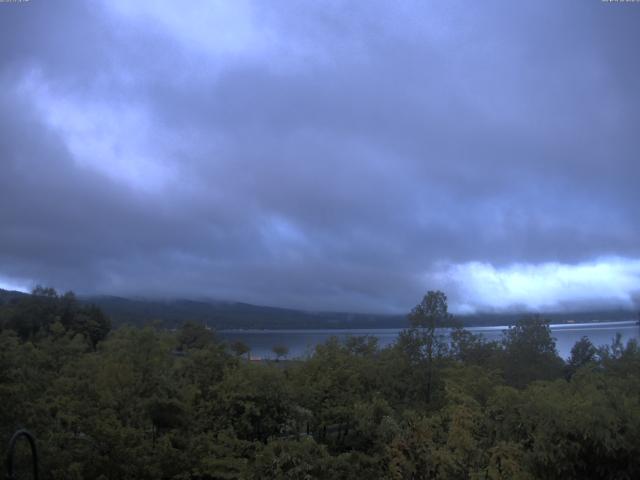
[
  {"x": 255, "y": 401},
  {"x": 292, "y": 460},
  {"x": 474, "y": 349},
  {"x": 530, "y": 353},
  {"x": 152, "y": 404},
  {"x": 35, "y": 315},
  {"x": 240, "y": 348},
  {"x": 194, "y": 336},
  {"x": 583, "y": 353},
  {"x": 423, "y": 343}
]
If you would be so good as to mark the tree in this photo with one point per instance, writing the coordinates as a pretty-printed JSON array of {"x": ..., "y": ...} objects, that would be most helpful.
[
  {"x": 192, "y": 336},
  {"x": 240, "y": 348},
  {"x": 362, "y": 345},
  {"x": 255, "y": 401},
  {"x": 40, "y": 291},
  {"x": 133, "y": 409},
  {"x": 423, "y": 338},
  {"x": 582, "y": 353},
  {"x": 530, "y": 352},
  {"x": 280, "y": 351},
  {"x": 92, "y": 323},
  {"x": 292, "y": 460},
  {"x": 34, "y": 314},
  {"x": 473, "y": 349}
]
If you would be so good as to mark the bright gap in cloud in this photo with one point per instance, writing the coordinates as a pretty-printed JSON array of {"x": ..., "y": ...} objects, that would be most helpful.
[
  {"x": 215, "y": 26},
  {"x": 114, "y": 139},
  {"x": 226, "y": 33},
  {"x": 8, "y": 284},
  {"x": 603, "y": 282}
]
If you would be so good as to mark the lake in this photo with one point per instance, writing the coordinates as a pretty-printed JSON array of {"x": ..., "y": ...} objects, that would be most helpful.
[{"x": 302, "y": 342}]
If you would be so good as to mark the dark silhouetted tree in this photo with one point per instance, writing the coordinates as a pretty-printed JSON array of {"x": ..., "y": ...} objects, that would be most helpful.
[
  {"x": 582, "y": 353},
  {"x": 240, "y": 348},
  {"x": 530, "y": 352},
  {"x": 281, "y": 351},
  {"x": 193, "y": 335},
  {"x": 425, "y": 340}
]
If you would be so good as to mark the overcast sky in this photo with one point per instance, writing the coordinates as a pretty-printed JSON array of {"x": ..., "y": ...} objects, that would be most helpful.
[{"x": 323, "y": 155}]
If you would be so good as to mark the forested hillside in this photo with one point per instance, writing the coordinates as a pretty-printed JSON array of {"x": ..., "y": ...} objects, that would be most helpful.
[
  {"x": 172, "y": 313},
  {"x": 143, "y": 403},
  {"x": 223, "y": 315}
]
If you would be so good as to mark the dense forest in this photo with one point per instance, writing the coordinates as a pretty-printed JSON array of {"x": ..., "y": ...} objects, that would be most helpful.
[{"x": 149, "y": 403}]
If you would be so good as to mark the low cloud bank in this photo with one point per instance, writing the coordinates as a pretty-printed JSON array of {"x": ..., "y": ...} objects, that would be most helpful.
[{"x": 550, "y": 286}]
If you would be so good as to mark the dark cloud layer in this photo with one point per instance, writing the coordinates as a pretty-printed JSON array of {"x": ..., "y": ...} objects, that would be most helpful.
[{"x": 325, "y": 156}]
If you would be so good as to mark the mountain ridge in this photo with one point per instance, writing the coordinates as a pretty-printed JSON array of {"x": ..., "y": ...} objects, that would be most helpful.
[{"x": 222, "y": 314}]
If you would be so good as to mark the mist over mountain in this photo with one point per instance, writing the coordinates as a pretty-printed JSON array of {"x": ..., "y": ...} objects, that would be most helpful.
[{"x": 174, "y": 312}]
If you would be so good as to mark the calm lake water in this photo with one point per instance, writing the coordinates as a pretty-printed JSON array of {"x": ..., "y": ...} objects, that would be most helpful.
[{"x": 302, "y": 342}]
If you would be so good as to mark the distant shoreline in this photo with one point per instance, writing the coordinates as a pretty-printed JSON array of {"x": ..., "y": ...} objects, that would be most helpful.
[
  {"x": 223, "y": 316},
  {"x": 365, "y": 329}
]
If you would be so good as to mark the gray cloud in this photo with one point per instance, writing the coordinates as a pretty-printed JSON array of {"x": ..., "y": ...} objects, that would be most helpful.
[{"x": 335, "y": 156}]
